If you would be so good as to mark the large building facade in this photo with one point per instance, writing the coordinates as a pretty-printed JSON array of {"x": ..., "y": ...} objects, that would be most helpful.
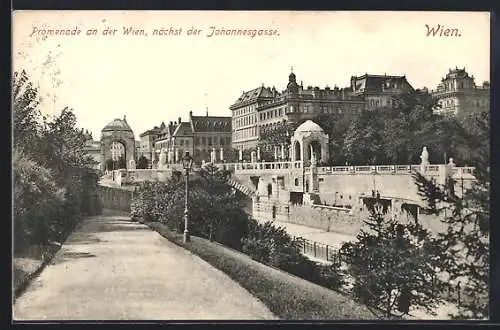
[
  {"x": 265, "y": 107},
  {"x": 199, "y": 136},
  {"x": 457, "y": 95},
  {"x": 147, "y": 141},
  {"x": 380, "y": 91}
]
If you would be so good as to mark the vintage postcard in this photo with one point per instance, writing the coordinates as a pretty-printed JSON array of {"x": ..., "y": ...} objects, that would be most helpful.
[{"x": 272, "y": 165}]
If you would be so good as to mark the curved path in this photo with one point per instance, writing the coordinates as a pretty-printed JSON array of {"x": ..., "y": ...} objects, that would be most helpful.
[{"x": 114, "y": 269}]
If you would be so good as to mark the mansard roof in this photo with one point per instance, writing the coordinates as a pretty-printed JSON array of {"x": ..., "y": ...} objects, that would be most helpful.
[
  {"x": 254, "y": 95},
  {"x": 211, "y": 124},
  {"x": 375, "y": 83},
  {"x": 153, "y": 131}
]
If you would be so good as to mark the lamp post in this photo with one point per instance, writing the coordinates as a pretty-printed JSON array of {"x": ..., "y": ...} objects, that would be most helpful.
[{"x": 187, "y": 163}]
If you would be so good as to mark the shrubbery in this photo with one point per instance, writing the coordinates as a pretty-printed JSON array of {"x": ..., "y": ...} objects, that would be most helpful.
[{"x": 54, "y": 183}]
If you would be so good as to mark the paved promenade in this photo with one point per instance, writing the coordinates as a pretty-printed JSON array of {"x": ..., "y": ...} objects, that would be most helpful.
[{"x": 114, "y": 269}]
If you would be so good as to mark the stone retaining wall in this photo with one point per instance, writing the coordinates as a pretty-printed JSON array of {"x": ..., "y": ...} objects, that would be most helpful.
[
  {"x": 115, "y": 198},
  {"x": 317, "y": 216}
]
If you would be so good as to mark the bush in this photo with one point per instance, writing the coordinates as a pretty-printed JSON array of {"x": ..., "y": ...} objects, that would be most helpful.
[
  {"x": 37, "y": 200},
  {"x": 331, "y": 277},
  {"x": 215, "y": 211},
  {"x": 391, "y": 266},
  {"x": 272, "y": 245}
]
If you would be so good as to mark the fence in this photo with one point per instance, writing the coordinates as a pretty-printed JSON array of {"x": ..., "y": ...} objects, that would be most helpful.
[{"x": 319, "y": 250}]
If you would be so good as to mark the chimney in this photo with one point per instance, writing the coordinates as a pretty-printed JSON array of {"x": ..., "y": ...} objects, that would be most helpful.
[
  {"x": 179, "y": 120},
  {"x": 171, "y": 123},
  {"x": 190, "y": 114}
]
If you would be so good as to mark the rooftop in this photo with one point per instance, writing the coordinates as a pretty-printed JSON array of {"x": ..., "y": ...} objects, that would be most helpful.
[
  {"x": 117, "y": 125},
  {"x": 309, "y": 126}
]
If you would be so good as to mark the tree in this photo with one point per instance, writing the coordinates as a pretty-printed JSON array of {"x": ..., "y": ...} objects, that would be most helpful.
[
  {"x": 362, "y": 143},
  {"x": 215, "y": 209},
  {"x": 142, "y": 162},
  {"x": 464, "y": 247},
  {"x": 26, "y": 115},
  {"x": 63, "y": 144},
  {"x": 54, "y": 182},
  {"x": 392, "y": 267}
]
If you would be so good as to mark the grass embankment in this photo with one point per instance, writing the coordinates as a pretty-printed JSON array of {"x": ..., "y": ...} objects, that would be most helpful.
[
  {"x": 27, "y": 264},
  {"x": 287, "y": 296}
]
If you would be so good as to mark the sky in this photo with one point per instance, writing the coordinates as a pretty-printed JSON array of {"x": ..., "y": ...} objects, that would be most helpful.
[{"x": 154, "y": 78}]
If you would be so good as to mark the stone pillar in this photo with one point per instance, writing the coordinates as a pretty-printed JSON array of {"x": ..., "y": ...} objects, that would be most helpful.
[
  {"x": 177, "y": 158},
  {"x": 162, "y": 159},
  {"x": 282, "y": 152},
  {"x": 252, "y": 157},
  {"x": 258, "y": 154},
  {"x": 222, "y": 154},
  {"x": 314, "y": 180},
  {"x": 240, "y": 155},
  {"x": 169, "y": 154},
  {"x": 275, "y": 153}
]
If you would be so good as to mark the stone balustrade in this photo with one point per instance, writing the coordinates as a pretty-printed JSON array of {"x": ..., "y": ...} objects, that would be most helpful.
[
  {"x": 265, "y": 166},
  {"x": 430, "y": 170}
]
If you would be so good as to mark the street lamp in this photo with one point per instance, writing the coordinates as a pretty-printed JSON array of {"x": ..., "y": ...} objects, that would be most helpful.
[{"x": 187, "y": 163}]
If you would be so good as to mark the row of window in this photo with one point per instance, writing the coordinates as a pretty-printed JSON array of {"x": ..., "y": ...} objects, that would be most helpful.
[
  {"x": 269, "y": 114},
  {"x": 376, "y": 103},
  {"x": 245, "y": 110},
  {"x": 245, "y": 133},
  {"x": 457, "y": 85},
  {"x": 476, "y": 103},
  {"x": 216, "y": 140},
  {"x": 247, "y": 120}
]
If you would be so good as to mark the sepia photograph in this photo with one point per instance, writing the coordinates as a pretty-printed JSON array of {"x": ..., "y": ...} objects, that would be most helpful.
[{"x": 250, "y": 165}]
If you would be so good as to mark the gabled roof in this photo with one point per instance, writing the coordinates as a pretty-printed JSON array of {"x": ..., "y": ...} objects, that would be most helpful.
[
  {"x": 211, "y": 124},
  {"x": 184, "y": 129},
  {"x": 254, "y": 95}
]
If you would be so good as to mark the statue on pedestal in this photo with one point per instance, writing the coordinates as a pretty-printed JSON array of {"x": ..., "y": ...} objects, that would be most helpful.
[{"x": 424, "y": 157}]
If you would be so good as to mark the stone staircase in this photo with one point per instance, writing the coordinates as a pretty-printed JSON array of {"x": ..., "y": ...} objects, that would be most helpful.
[{"x": 242, "y": 188}]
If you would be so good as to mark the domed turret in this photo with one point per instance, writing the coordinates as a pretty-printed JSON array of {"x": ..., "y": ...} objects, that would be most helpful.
[
  {"x": 117, "y": 125},
  {"x": 292, "y": 86},
  {"x": 309, "y": 126}
]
